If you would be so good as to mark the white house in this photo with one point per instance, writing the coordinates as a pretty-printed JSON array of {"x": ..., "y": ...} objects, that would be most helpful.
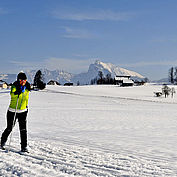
[
  {"x": 123, "y": 81},
  {"x": 3, "y": 85}
]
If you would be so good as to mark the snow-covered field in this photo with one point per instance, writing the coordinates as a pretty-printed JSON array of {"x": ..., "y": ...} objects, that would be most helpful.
[{"x": 95, "y": 131}]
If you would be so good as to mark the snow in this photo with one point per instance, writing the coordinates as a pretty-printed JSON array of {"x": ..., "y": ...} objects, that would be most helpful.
[{"x": 94, "y": 131}]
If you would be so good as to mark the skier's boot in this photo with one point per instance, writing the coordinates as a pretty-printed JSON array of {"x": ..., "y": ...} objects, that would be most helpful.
[
  {"x": 2, "y": 146},
  {"x": 24, "y": 149}
]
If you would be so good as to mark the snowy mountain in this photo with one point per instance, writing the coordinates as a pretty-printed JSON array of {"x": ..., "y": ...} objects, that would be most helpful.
[
  {"x": 9, "y": 78},
  {"x": 106, "y": 68},
  {"x": 57, "y": 75},
  {"x": 83, "y": 78}
]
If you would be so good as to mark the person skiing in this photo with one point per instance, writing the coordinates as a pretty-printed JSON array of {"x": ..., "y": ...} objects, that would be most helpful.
[{"x": 18, "y": 109}]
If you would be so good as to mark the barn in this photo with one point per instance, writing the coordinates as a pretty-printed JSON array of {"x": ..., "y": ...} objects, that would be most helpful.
[{"x": 123, "y": 81}]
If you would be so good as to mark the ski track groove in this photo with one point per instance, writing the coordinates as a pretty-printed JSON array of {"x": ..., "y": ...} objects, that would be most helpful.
[
  {"x": 108, "y": 97},
  {"x": 71, "y": 160},
  {"x": 52, "y": 160}
]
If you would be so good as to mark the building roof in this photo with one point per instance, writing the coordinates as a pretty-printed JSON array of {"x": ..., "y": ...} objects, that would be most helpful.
[
  {"x": 128, "y": 81},
  {"x": 122, "y": 77},
  {"x": 2, "y": 82}
]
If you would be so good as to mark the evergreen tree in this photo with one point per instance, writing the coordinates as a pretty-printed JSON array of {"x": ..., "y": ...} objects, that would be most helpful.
[
  {"x": 92, "y": 82},
  {"x": 108, "y": 78},
  {"x": 78, "y": 83},
  {"x": 100, "y": 80},
  {"x": 39, "y": 80}
]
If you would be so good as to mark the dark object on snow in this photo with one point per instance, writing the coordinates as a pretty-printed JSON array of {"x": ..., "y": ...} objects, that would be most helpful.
[
  {"x": 158, "y": 94},
  {"x": 52, "y": 82},
  {"x": 68, "y": 84}
]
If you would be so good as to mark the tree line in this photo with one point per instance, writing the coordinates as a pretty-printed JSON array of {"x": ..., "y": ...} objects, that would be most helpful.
[{"x": 102, "y": 80}]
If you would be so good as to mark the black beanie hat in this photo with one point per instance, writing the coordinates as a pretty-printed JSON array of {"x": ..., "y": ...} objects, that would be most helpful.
[{"x": 21, "y": 76}]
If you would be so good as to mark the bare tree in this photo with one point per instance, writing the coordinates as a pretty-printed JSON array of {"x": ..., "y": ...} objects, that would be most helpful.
[
  {"x": 171, "y": 75},
  {"x": 175, "y": 75}
]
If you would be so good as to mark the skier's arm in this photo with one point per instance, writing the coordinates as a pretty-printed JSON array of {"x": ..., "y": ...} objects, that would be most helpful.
[
  {"x": 15, "y": 91},
  {"x": 18, "y": 92},
  {"x": 28, "y": 86}
]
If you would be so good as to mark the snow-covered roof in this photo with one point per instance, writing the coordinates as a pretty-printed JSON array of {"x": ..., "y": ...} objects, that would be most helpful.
[
  {"x": 2, "y": 82},
  {"x": 121, "y": 77},
  {"x": 128, "y": 81}
]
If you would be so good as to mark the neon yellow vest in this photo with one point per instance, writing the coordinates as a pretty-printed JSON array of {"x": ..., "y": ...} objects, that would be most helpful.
[{"x": 22, "y": 101}]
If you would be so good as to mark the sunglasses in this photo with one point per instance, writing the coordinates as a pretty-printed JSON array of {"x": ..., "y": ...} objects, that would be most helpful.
[{"x": 22, "y": 81}]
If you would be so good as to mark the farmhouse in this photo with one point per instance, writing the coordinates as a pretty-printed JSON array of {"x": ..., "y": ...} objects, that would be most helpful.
[
  {"x": 3, "y": 85},
  {"x": 123, "y": 81},
  {"x": 52, "y": 82}
]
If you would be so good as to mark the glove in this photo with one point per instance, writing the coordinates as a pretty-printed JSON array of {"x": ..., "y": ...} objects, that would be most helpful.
[{"x": 23, "y": 88}]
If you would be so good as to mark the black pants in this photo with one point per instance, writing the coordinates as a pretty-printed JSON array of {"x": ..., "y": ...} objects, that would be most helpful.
[{"x": 21, "y": 117}]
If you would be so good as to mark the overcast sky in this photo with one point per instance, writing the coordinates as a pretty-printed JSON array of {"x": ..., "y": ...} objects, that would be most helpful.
[{"x": 139, "y": 35}]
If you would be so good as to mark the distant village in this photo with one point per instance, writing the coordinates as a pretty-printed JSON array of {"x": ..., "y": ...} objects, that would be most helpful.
[{"x": 120, "y": 80}]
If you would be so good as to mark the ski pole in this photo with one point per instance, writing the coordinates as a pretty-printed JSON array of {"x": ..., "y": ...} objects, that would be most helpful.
[{"x": 14, "y": 120}]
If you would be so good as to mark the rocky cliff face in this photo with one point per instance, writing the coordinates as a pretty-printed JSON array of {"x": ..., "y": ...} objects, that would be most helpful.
[{"x": 106, "y": 68}]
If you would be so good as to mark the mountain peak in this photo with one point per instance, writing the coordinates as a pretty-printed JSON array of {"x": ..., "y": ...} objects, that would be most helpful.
[
  {"x": 83, "y": 78},
  {"x": 97, "y": 62},
  {"x": 113, "y": 69},
  {"x": 106, "y": 68}
]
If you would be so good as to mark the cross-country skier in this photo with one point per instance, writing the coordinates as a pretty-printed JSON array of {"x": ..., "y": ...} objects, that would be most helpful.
[{"x": 19, "y": 92}]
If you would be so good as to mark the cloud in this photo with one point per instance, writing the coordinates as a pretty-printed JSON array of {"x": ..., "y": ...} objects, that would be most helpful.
[
  {"x": 151, "y": 63},
  {"x": 76, "y": 33},
  {"x": 101, "y": 15},
  {"x": 26, "y": 65},
  {"x": 69, "y": 65}
]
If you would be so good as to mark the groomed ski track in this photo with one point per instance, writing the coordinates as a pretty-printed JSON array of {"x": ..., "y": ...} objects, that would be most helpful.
[
  {"x": 46, "y": 159},
  {"x": 95, "y": 135}
]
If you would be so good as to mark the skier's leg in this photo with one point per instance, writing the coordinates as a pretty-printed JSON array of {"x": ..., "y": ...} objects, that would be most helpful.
[
  {"x": 23, "y": 131},
  {"x": 5, "y": 134}
]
